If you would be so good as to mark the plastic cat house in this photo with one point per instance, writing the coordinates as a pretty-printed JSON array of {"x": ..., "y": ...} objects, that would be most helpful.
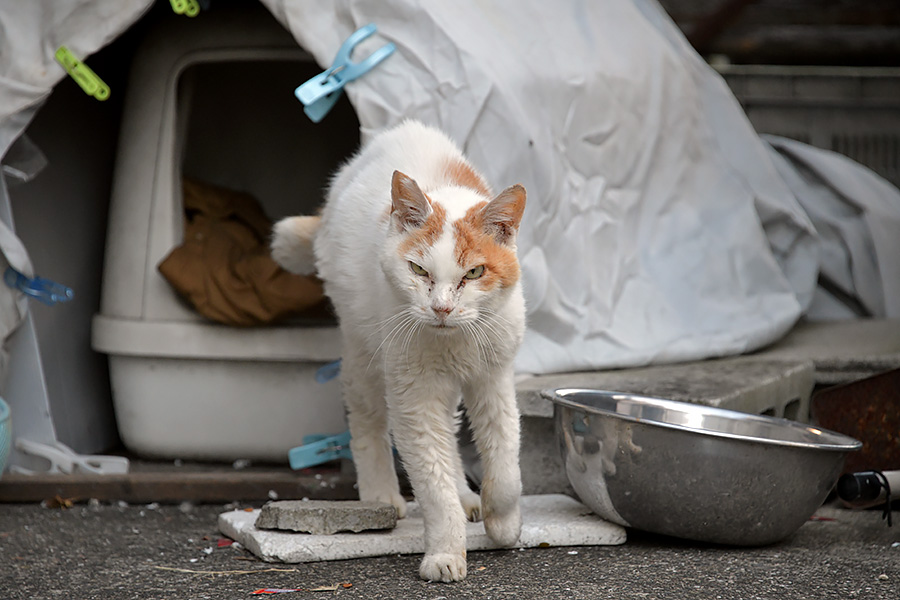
[
  {"x": 659, "y": 226},
  {"x": 182, "y": 386}
]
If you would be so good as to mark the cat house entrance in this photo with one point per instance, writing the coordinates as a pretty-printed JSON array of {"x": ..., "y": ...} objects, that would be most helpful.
[
  {"x": 245, "y": 130},
  {"x": 242, "y": 130}
]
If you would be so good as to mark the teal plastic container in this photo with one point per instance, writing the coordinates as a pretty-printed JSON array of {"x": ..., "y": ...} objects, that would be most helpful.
[{"x": 5, "y": 435}]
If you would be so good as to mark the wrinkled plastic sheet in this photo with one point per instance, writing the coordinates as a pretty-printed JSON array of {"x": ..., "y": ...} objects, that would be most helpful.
[
  {"x": 30, "y": 34},
  {"x": 857, "y": 218},
  {"x": 657, "y": 228}
]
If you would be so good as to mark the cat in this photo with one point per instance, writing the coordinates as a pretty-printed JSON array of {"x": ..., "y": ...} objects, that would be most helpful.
[{"x": 419, "y": 260}]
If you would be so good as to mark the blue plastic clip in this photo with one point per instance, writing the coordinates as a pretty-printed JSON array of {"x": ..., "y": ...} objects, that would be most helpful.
[
  {"x": 318, "y": 449},
  {"x": 327, "y": 372},
  {"x": 48, "y": 292},
  {"x": 320, "y": 93}
]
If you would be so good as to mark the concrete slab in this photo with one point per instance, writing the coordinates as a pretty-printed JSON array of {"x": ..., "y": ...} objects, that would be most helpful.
[
  {"x": 842, "y": 351},
  {"x": 325, "y": 517},
  {"x": 548, "y": 520}
]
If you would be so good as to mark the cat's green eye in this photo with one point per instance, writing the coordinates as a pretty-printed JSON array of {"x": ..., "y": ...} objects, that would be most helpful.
[
  {"x": 417, "y": 269},
  {"x": 475, "y": 273}
]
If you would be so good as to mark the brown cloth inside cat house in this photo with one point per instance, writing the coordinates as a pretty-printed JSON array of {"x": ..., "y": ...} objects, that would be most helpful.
[{"x": 223, "y": 268}]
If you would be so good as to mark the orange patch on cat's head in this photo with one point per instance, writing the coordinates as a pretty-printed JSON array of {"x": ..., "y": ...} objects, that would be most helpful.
[
  {"x": 419, "y": 219},
  {"x": 486, "y": 236},
  {"x": 476, "y": 246},
  {"x": 462, "y": 174},
  {"x": 426, "y": 235}
]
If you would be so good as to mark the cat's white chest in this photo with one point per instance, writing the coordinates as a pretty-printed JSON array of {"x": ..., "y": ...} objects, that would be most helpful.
[{"x": 448, "y": 354}]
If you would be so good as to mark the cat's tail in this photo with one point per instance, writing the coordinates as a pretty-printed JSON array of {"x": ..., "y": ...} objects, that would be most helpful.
[{"x": 292, "y": 244}]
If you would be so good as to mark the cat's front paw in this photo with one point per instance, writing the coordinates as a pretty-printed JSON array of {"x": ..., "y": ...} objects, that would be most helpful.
[
  {"x": 471, "y": 503},
  {"x": 504, "y": 529},
  {"x": 443, "y": 567}
]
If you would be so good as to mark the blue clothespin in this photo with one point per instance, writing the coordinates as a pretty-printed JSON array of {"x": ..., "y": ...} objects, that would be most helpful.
[
  {"x": 320, "y": 93},
  {"x": 318, "y": 449},
  {"x": 329, "y": 371},
  {"x": 48, "y": 292}
]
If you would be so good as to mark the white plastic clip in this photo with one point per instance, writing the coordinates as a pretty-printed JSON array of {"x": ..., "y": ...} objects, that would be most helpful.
[{"x": 63, "y": 459}]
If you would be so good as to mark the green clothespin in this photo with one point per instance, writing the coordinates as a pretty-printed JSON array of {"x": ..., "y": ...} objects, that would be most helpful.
[
  {"x": 188, "y": 8},
  {"x": 82, "y": 74}
]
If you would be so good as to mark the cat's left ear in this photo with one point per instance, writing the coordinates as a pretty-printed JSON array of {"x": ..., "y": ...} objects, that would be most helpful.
[
  {"x": 409, "y": 205},
  {"x": 502, "y": 215}
]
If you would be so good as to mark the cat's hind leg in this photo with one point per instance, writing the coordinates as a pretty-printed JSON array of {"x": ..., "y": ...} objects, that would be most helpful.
[
  {"x": 370, "y": 442},
  {"x": 494, "y": 416},
  {"x": 470, "y": 500}
]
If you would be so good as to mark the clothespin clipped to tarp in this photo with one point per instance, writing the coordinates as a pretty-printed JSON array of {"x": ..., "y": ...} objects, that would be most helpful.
[
  {"x": 320, "y": 93},
  {"x": 188, "y": 8},
  {"x": 47, "y": 291},
  {"x": 318, "y": 449},
  {"x": 82, "y": 74}
]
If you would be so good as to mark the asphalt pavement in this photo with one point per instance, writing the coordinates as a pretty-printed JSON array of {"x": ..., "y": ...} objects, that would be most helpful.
[{"x": 113, "y": 551}]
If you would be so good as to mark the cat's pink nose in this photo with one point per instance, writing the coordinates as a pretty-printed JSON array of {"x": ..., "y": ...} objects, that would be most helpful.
[{"x": 441, "y": 310}]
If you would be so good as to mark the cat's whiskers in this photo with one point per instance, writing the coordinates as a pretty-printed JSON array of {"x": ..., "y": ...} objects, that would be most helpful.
[
  {"x": 406, "y": 320},
  {"x": 482, "y": 340},
  {"x": 486, "y": 343},
  {"x": 469, "y": 329},
  {"x": 490, "y": 312},
  {"x": 376, "y": 327},
  {"x": 410, "y": 334},
  {"x": 496, "y": 329},
  {"x": 495, "y": 325}
]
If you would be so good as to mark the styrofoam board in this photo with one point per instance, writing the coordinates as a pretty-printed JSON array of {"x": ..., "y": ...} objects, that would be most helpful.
[{"x": 547, "y": 520}]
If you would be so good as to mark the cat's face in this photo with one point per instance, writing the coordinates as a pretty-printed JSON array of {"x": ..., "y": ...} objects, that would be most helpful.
[{"x": 453, "y": 253}]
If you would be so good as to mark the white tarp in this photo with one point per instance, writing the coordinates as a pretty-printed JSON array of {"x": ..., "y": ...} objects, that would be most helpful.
[
  {"x": 659, "y": 226},
  {"x": 650, "y": 197},
  {"x": 857, "y": 218},
  {"x": 30, "y": 33}
]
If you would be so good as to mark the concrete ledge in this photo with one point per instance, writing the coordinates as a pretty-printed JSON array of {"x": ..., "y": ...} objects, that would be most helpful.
[
  {"x": 777, "y": 386},
  {"x": 842, "y": 351}
]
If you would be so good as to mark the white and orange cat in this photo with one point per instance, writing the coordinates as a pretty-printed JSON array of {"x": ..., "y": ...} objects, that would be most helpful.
[{"x": 419, "y": 259}]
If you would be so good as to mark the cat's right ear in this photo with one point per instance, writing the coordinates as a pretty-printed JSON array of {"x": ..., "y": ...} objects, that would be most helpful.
[{"x": 409, "y": 206}]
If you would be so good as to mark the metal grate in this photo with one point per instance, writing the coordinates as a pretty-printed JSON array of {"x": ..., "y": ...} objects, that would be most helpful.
[
  {"x": 880, "y": 152},
  {"x": 853, "y": 111}
]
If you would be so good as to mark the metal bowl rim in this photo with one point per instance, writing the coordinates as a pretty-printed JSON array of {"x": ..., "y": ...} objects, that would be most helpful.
[{"x": 843, "y": 443}]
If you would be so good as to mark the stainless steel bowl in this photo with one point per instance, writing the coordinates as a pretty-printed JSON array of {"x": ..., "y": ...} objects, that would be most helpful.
[{"x": 693, "y": 471}]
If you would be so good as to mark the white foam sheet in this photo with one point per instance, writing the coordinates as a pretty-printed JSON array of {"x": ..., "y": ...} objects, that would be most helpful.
[{"x": 551, "y": 519}]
